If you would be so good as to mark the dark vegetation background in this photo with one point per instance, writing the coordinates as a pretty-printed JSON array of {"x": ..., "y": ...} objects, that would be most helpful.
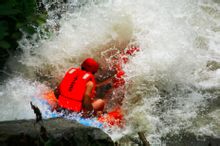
[{"x": 16, "y": 18}]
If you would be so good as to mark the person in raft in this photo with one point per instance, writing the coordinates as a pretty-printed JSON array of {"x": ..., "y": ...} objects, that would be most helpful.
[{"x": 76, "y": 92}]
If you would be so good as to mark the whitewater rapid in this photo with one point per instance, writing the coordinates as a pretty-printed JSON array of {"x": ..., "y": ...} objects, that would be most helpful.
[{"x": 172, "y": 83}]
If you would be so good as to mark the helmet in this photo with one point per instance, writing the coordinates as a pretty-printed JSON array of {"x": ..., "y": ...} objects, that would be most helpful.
[{"x": 90, "y": 65}]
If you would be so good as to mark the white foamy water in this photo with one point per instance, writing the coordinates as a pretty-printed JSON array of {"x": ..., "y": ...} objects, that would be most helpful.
[
  {"x": 16, "y": 95},
  {"x": 172, "y": 83}
]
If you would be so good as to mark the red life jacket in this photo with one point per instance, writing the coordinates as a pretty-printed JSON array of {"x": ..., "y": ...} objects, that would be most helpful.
[{"x": 72, "y": 89}]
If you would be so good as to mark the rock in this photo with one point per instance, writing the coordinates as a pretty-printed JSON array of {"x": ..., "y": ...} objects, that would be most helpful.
[{"x": 53, "y": 132}]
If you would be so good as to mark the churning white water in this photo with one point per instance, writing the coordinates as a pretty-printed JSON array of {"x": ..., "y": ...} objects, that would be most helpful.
[{"x": 173, "y": 82}]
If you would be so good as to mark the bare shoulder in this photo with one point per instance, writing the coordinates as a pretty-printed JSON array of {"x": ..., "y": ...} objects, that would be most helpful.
[{"x": 89, "y": 86}]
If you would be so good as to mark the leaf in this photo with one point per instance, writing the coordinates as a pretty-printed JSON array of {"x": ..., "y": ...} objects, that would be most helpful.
[
  {"x": 37, "y": 19},
  {"x": 29, "y": 29},
  {"x": 12, "y": 2},
  {"x": 4, "y": 44},
  {"x": 16, "y": 35},
  {"x": 19, "y": 25},
  {"x": 3, "y": 29},
  {"x": 29, "y": 7},
  {"x": 7, "y": 9},
  {"x": 40, "y": 20}
]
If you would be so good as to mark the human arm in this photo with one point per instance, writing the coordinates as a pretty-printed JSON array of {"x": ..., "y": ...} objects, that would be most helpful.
[{"x": 87, "y": 103}]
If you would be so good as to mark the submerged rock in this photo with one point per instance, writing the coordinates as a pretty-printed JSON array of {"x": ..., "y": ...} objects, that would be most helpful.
[{"x": 52, "y": 132}]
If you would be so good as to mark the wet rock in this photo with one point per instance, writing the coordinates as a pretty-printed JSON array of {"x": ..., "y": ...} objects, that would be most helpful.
[{"x": 54, "y": 132}]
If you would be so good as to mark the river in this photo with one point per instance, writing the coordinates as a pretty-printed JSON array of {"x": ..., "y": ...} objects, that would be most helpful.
[{"x": 172, "y": 83}]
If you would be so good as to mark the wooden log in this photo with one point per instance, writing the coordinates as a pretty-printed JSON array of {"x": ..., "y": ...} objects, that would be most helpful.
[{"x": 143, "y": 139}]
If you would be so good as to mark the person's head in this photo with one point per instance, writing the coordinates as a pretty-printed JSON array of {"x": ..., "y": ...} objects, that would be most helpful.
[{"x": 90, "y": 65}]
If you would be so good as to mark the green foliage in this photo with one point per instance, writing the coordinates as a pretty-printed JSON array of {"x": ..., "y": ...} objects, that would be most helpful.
[
  {"x": 17, "y": 16},
  {"x": 4, "y": 44}
]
